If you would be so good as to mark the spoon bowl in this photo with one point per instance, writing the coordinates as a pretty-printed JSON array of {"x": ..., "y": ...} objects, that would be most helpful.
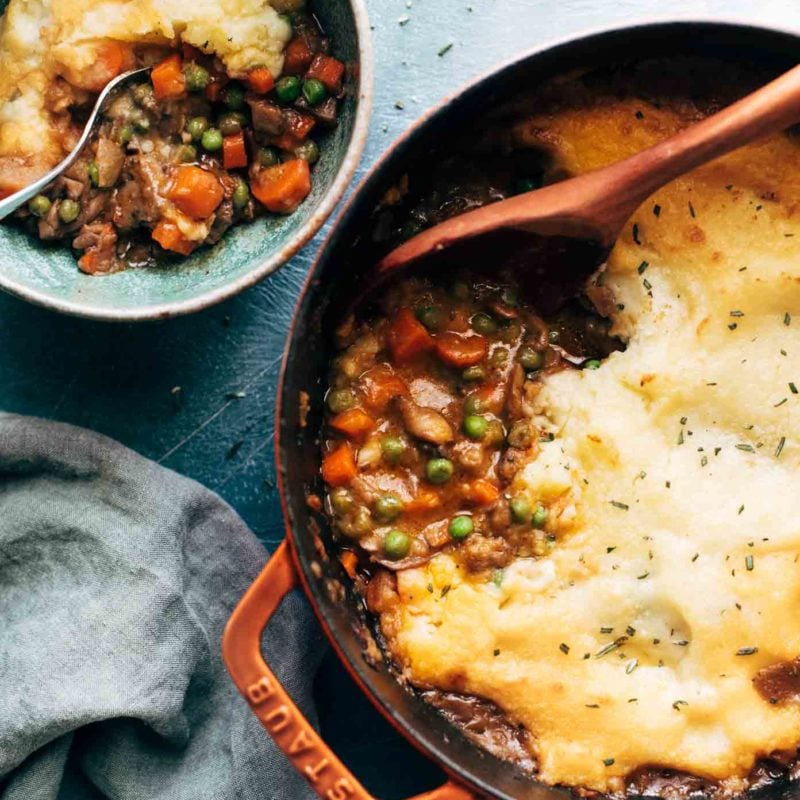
[
  {"x": 594, "y": 207},
  {"x": 14, "y": 201}
]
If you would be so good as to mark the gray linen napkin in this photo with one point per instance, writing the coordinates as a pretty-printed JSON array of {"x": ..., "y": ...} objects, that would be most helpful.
[{"x": 116, "y": 579}]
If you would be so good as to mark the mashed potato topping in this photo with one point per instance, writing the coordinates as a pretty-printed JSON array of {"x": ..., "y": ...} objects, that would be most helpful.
[
  {"x": 674, "y": 576},
  {"x": 87, "y": 43}
]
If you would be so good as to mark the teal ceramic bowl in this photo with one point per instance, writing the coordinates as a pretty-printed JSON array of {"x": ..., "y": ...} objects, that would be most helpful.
[{"x": 49, "y": 277}]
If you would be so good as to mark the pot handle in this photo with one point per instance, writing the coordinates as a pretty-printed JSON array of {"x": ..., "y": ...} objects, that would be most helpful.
[{"x": 283, "y": 720}]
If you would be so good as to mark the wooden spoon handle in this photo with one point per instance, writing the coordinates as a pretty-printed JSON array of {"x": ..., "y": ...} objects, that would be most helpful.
[
  {"x": 772, "y": 108},
  {"x": 596, "y": 205}
]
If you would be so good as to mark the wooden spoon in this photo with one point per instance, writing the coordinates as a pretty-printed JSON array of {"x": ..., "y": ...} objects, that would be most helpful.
[{"x": 594, "y": 207}]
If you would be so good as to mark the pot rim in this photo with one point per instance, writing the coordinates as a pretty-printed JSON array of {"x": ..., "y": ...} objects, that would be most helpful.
[
  {"x": 342, "y": 219},
  {"x": 327, "y": 206}
]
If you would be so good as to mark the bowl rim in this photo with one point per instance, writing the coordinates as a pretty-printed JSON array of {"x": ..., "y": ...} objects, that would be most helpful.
[
  {"x": 314, "y": 591},
  {"x": 301, "y": 237}
]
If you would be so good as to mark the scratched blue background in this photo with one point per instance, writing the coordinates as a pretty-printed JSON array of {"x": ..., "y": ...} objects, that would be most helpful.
[{"x": 167, "y": 389}]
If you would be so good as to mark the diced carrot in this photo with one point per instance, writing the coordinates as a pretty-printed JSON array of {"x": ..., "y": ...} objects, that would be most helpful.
[
  {"x": 407, "y": 336},
  {"x": 110, "y": 59},
  {"x": 234, "y": 152},
  {"x": 260, "y": 80},
  {"x": 168, "y": 235},
  {"x": 167, "y": 78},
  {"x": 283, "y": 187},
  {"x": 195, "y": 191},
  {"x": 314, "y": 502},
  {"x": 86, "y": 263},
  {"x": 328, "y": 70},
  {"x": 481, "y": 492},
  {"x": 424, "y": 500},
  {"x": 113, "y": 57},
  {"x": 349, "y": 561},
  {"x": 339, "y": 466},
  {"x": 354, "y": 422},
  {"x": 298, "y": 126},
  {"x": 379, "y": 385},
  {"x": 297, "y": 56},
  {"x": 460, "y": 351}
]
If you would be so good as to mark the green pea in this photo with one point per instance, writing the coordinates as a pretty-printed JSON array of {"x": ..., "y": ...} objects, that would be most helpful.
[
  {"x": 233, "y": 95},
  {"x": 521, "y": 511},
  {"x": 429, "y": 316},
  {"x": 540, "y": 516},
  {"x": 521, "y": 434},
  {"x": 439, "y": 470},
  {"x": 314, "y": 91},
  {"x": 473, "y": 374},
  {"x": 553, "y": 337},
  {"x": 196, "y": 127},
  {"x": 267, "y": 156},
  {"x": 241, "y": 195},
  {"x": 392, "y": 448},
  {"x": 40, "y": 205},
  {"x": 473, "y": 404},
  {"x": 341, "y": 500},
  {"x": 361, "y": 524},
  {"x": 510, "y": 333},
  {"x": 308, "y": 151},
  {"x": 388, "y": 507},
  {"x": 509, "y": 297},
  {"x": 592, "y": 363},
  {"x": 68, "y": 210},
  {"x": 230, "y": 124},
  {"x": 484, "y": 324},
  {"x": 494, "y": 433},
  {"x": 499, "y": 357},
  {"x": 461, "y": 527},
  {"x": 187, "y": 153},
  {"x": 211, "y": 140},
  {"x": 125, "y": 134},
  {"x": 460, "y": 290},
  {"x": 475, "y": 426},
  {"x": 93, "y": 173},
  {"x": 288, "y": 89},
  {"x": 340, "y": 400},
  {"x": 396, "y": 545},
  {"x": 530, "y": 358},
  {"x": 196, "y": 76}
]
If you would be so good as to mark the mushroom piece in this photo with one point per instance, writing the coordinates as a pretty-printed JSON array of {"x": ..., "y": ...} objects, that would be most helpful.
[
  {"x": 425, "y": 423},
  {"x": 110, "y": 160}
]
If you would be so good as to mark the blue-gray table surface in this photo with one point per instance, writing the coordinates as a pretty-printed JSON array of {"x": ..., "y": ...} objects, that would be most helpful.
[{"x": 197, "y": 393}]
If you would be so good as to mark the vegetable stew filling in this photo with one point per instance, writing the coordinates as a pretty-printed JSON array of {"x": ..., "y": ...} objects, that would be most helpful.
[
  {"x": 182, "y": 157},
  {"x": 428, "y": 425}
]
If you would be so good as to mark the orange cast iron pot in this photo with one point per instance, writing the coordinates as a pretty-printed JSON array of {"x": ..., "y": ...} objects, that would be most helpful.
[{"x": 303, "y": 559}]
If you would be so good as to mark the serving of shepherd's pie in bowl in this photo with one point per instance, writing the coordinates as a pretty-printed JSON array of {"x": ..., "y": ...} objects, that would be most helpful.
[{"x": 251, "y": 112}]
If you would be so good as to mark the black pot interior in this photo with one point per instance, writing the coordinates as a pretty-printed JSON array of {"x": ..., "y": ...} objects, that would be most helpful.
[{"x": 337, "y": 278}]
